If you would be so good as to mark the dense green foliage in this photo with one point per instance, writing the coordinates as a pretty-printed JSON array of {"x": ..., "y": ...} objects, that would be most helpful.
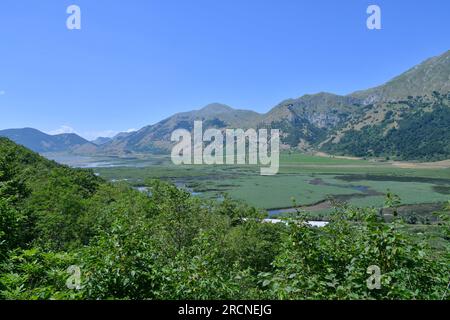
[
  {"x": 170, "y": 245},
  {"x": 419, "y": 132},
  {"x": 298, "y": 130}
]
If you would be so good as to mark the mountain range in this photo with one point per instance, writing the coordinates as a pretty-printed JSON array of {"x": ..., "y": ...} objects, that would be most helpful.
[
  {"x": 381, "y": 121},
  {"x": 41, "y": 142}
]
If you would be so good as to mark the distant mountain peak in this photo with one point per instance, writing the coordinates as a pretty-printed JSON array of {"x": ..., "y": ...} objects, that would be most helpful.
[
  {"x": 39, "y": 141},
  {"x": 101, "y": 140},
  {"x": 216, "y": 108}
]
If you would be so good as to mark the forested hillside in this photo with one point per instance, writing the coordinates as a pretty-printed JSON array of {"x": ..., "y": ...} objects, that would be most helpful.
[
  {"x": 170, "y": 245},
  {"x": 416, "y": 128}
]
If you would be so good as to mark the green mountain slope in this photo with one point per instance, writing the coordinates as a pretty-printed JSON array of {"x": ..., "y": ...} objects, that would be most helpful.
[
  {"x": 156, "y": 137},
  {"x": 412, "y": 129},
  {"x": 308, "y": 120},
  {"x": 431, "y": 75}
]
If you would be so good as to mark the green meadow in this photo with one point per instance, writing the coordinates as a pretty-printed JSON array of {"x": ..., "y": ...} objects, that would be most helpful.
[{"x": 307, "y": 179}]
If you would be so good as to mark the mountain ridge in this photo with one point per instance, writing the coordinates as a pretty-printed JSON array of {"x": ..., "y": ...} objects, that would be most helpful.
[
  {"x": 306, "y": 122},
  {"x": 433, "y": 74},
  {"x": 309, "y": 122},
  {"x": 41, "y": 142}
]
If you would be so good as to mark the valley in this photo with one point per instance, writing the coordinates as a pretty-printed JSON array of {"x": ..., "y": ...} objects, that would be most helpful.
[
  {"x": 315, "y": 183},
  {"x": 229, "y": 153}
]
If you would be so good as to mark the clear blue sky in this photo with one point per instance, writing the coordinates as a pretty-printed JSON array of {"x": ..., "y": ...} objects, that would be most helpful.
[{"x": 136, "y": 62}]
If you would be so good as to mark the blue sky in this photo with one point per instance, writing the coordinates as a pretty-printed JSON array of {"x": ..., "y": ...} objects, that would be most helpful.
[{"x": 136, "y": 62}]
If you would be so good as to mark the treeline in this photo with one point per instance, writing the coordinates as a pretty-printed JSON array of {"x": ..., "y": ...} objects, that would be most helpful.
[
  {"x": 170, "y": 245},
  {"x": 421, "y": 133}
]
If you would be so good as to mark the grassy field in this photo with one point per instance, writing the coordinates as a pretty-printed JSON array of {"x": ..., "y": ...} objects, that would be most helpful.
[{"x": 308, "y": 179}]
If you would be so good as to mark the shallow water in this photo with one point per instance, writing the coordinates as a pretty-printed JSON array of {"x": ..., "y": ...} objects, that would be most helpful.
[
  {"x": 88, "y": 162},
  {"x": 319, "y": 224}
]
